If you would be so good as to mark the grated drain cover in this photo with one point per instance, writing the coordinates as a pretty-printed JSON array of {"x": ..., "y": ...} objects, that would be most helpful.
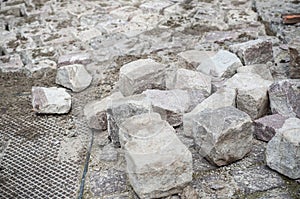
[{"x": 29, "y": 168}]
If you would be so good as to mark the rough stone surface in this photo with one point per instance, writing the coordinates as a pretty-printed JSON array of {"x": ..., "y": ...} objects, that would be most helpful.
[
  {"x": 265, "y": 127},
  {"x": 195, "y": 57},
  {"x": 95, "y": 112},
  {"x": 137, "y": 76},
  {"x": 50, "y": 100},
  {"x": 170, "y": 104},
  {"x": 74, "y": 58},
  {"x": 282, "y": 153},
  {"x": 285, "y": 97},
  {"x": 223, "y": 64},
  {"x": 120, "y": 109},
  {"x": 252, "y": 96},
  {"x": 74, "y": 77},
  {"x": 254, "y": 52},
  {"x": 265, "y": 179},
  {"x": 222, "y": 98},
  {"x": 223, "y": 135},
  {"x": 294, "y": 49},
  {"x": 158, "y": 164},
  {"x": 108, "y": 153},
  {"x": 193, "y": 81},
  {"x": 11, "y": 63},
  {"x": 260, "y": 69}
]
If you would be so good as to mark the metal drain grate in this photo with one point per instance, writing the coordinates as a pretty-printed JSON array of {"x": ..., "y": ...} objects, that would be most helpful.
[{"x": 30, "y": 168}]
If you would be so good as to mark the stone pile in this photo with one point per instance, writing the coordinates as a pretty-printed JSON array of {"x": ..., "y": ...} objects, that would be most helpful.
[{"x": 214, "y": 73}]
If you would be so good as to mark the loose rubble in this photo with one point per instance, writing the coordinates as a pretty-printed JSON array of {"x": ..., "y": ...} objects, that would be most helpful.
[
  {"x": 223, "y": 64},
  {"x": 50, "y": 100},
  {"x": 254, "y": 52},
  {"x": 282, "y": 153},
  {"x": 285, "y": 97},
  {"x": 140, "y": 75},
  {"x": 158, "y": 163},
  {"x": 120, "y": 109},
  {"x": 219, "y": 72},
  {"x": 74, "y": 77},
  {"x": 265, "y": 127},
  {"x": 252, "y": 96},
  {"x": 222, "y": 98},
  {"x": 223, "y": 135}
]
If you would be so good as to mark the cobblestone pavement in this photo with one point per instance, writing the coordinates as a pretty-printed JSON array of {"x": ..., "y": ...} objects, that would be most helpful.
[{"x": 43, "y": 156}]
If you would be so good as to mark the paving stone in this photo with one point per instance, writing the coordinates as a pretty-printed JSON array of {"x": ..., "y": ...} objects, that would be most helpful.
[
  {"x": 294, "y": 49},
  {"x": 265, "y": 127},
  {"x": 223, "y": 135},
  {"x": 220, "y": 36},
  {"x": 252, "y": 96},
  {"x": 74, "y": 58},
  {"x": 192, "y": 81},
  {"x": 158, "y": 163},
  {"x": 50, "y": 100},
  {"x": 222, "y": 98},
  {"x": 254, "y": 52},
  {"x": 95, "y": 112},
  {"x": 137, "y": 76},
  {"x": 282, "y": 152},
  {"x": 260, "y": 69},
  {"x": 120, "y": 109},
  {"x": 223, "y": 64},
  {"x": 74, "y": 77},
  {"x": 196, "y": 57},
  {"x": 285, "y": 97},
  {"x": 40, "y": 68},
  {"x": 11, "y": 63},
  {"x": 170, "y": 104},
  {"x": 256, "y": 179},
  {"x": 237, "y": 18}
]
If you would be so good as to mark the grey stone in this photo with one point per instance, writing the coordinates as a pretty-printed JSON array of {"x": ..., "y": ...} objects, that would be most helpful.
[
  {"x": 158, "y": 163},
  {"x": 50, "y": 100},
  {"x": 74, "y": 58},
  {"x": 41, "y": 67},
  {"x": 11, "y": 63},
  {"x": 222, "y": 98},
  {"x": 107, "y": 182},
  {"x": 95, "y": 112},
  {"x": 223, "y": 64},
  {"x": 120, "y": 109},
  {"x": 137, "y": 76},
  {"x": 264, "y": 179},
  {"x": 74, "y": 77},
  {"x": 193, "y": 81},
  {"x": 108, "y": 153},
  {"x": 262, "y": 70},
  {"x": 294, "y": 49},
  {"x": 189, "y": 193},
  {"x": 285, "y": 97},
  {"x": 223, "y": 135},
  {"x": 195, "y": 57},
  {"x": 237, "y": 18},
  {"x": 220, "y": 36},
  {"x": 170, "y": 104},
  {"x": 265, "y": 127},
  {"x": 282, "y": 153},
  {"x": 252, "y": 96},
  {"x": 254, "y": 52}
]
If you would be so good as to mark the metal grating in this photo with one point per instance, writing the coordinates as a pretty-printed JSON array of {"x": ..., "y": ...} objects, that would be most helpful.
[{"x": 30, "y": 168}]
